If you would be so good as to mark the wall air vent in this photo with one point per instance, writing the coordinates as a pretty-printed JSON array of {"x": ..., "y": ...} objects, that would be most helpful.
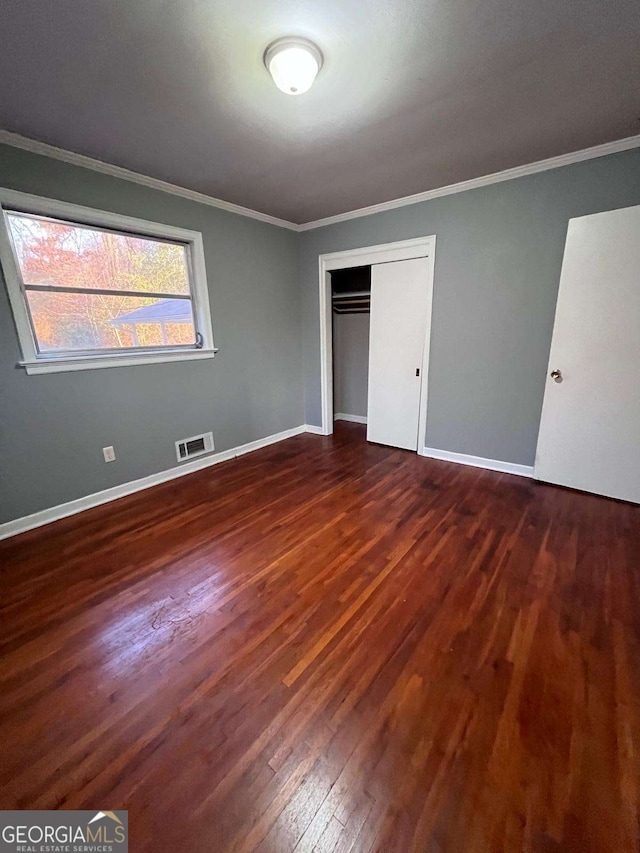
[{"x": 187, "y": 448}]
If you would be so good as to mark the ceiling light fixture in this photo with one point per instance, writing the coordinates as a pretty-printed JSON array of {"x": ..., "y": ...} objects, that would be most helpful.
[{"x": 293, "y": 63}]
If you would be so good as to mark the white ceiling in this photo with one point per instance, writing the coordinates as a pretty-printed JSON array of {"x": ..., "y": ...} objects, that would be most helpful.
[{"x": 413, "y": 95}]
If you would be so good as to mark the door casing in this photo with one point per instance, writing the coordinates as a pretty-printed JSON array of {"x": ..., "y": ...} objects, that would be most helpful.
[{"x": 403, "y": 250}]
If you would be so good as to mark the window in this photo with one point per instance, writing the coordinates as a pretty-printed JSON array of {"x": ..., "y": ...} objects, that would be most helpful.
[{"x": 93, "y": 289}]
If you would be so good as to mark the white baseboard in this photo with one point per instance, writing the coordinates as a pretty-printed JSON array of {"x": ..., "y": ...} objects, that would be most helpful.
[
  {"x": 316, "y": 430},
  {"x": 478, "y": 462},
  {"x": 45, "y": 516},
  {"x": 356, "y": 419}
]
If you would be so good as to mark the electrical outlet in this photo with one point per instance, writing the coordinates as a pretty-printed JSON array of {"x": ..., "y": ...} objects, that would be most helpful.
[{"x": 109, "y": 454}]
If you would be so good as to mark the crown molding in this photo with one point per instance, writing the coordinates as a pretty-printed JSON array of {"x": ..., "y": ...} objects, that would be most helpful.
[
  {"x": 16, "y": 140},
  {"x": 614, "y": 147}
]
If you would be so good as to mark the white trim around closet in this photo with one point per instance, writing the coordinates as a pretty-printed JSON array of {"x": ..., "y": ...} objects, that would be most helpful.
[{"x": 403, "y": 250}]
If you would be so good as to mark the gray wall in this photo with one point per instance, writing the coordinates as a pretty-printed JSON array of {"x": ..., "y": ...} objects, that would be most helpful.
[
  {"x": 350, "y": 363},
  {"x": 498, "y": 258},
  {"x": 52, "y": 427}
]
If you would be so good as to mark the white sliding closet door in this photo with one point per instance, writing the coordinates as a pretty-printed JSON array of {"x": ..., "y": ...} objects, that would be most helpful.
[
  {"x": 590, "y": 428},
  {"x": 399, "y": 303}
]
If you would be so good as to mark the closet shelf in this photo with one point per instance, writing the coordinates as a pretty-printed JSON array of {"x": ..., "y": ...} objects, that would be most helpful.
[{"x": 355, "y": 302}]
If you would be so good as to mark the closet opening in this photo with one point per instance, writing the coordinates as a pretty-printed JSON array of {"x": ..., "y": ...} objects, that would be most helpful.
[
  {"x": 350, "y": 312},
  {"x": 376, "y": 302}
]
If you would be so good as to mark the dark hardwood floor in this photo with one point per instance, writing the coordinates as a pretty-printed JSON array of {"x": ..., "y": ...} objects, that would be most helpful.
[{"x": 331, "y": 646}]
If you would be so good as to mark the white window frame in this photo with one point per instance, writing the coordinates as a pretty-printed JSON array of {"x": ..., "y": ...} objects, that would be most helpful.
[{"x": 35, "y": 362}]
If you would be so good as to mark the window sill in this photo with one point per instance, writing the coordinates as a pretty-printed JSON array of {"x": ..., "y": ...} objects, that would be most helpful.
[{"x": 62, "y": 365}]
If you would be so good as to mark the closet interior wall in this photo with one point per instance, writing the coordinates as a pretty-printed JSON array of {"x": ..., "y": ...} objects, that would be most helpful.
[{"x": 350, "y": 300}]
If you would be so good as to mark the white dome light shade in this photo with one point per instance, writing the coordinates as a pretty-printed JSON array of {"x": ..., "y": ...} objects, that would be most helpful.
[{"x": 293, "y": 63}]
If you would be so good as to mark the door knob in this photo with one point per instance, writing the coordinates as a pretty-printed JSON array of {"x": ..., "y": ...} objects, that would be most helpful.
[{"x": 556, "y": 375}]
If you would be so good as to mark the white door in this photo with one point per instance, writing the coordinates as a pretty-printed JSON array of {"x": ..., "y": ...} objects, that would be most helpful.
[
  {"x": 399, "y": 294},
  {"x": 590, "y": 428}
]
